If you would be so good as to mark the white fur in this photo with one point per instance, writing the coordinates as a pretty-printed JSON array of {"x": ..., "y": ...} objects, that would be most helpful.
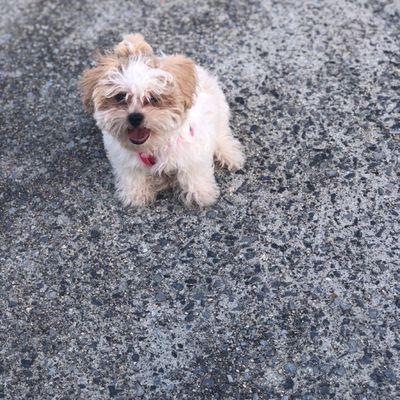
[
  {"x": 137, "y": 77},
  {"x": 186, "y": 158}
]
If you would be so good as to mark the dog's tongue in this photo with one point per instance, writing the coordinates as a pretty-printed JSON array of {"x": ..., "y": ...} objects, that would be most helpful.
[{"x": 138, "y": 135}]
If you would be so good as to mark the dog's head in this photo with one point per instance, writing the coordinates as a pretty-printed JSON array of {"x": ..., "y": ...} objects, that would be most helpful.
[{"x": 136, "y": 96}]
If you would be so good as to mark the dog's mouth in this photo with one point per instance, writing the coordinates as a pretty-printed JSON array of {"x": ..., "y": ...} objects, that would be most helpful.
[{"x": 138, "y": 135}]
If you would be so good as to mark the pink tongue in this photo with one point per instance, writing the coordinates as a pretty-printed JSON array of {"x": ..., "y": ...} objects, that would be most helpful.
[{"x": 138, "y": 134}]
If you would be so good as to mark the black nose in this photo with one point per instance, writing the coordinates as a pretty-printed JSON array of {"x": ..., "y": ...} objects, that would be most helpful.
[{"x": 135, "y": 119}]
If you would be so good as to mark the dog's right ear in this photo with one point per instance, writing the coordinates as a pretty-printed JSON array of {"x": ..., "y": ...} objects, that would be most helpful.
[
  {"x": 89, "y": 81},
  {"x": 133, "y": 45},
  {"x": 91, "y": 77}
]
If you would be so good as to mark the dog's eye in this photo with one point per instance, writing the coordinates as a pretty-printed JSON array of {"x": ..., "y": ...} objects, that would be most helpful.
[
  {"x": 151, "y": 100},
  {"x": 120, "y": 98}
]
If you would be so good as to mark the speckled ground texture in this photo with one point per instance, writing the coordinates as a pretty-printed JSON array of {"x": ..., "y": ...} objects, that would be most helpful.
[{"x": 287, "y": 288}]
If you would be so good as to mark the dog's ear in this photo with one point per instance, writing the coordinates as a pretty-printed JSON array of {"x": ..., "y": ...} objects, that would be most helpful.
[
  {"x": 91, "y": 77},
  {"x": 184, "y": 72},
  {"x": 89, "y": 81},
  {"x": 133, "y": 45}
]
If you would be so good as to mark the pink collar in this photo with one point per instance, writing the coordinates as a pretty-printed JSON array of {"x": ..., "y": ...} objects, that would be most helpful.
[{"x": 149, "y": 160}]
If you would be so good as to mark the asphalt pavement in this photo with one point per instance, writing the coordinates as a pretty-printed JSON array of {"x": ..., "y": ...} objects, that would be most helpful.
[{"x": 288, "y": 288}]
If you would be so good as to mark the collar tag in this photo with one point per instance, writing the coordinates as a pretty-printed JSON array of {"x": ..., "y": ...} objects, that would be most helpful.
[{"x": 147, "y": 159}]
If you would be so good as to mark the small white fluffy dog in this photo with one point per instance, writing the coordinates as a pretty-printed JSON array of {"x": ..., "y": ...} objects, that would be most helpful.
[{"x": 163, "y": 120}]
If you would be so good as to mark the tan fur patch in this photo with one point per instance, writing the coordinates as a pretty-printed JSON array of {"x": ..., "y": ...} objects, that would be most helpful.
[
  {"x": 133, "y": 45},
  {"x": 88, "y": 83},
  {"x": 92, "y": 76},
  {"x": 183, "y": 70}
]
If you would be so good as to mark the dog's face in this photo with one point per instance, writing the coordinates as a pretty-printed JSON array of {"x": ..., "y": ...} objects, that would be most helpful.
[{"x": 138, "y": 97}]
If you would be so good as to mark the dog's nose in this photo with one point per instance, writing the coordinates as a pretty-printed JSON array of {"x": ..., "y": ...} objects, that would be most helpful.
[{"x": 135, "y": 119}]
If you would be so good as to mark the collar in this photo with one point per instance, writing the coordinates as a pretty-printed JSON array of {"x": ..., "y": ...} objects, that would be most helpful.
[{"x": 149, "y": 160}]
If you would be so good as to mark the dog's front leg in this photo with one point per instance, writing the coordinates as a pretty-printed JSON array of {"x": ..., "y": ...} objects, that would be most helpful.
[
  {"x": 135, "y": 187},
  {"x": 198, "y": 184}
]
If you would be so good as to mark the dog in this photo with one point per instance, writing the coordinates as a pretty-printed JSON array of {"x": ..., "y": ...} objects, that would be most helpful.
[{"x": 164, "y": 119}]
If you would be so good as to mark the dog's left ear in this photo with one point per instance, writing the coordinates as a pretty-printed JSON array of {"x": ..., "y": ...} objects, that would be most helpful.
[{"x": 184, "y": 72}]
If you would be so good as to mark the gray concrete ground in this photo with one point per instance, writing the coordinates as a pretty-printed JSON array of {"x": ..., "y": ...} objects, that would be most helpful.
[{"x": 286, "y": 289}]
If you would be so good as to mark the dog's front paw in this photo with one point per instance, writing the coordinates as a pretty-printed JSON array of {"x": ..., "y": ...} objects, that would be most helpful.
[
  {"x": 203, "y": 197},
  {"x": 230, "y": 154},
  {"x": 236, "y": 160},
  {"x": 137, "y": 197}
]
